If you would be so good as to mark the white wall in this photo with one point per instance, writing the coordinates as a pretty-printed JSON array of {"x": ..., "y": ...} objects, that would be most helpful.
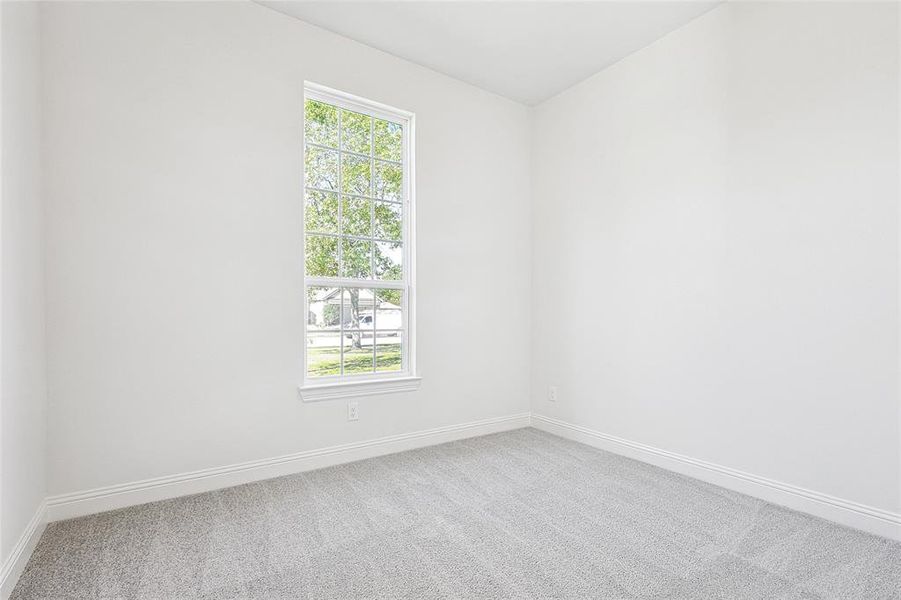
[
  {"x": 716, "y": 247},
  {"x": 22, "y": 380},
  {"x": 173, "y": 138}
]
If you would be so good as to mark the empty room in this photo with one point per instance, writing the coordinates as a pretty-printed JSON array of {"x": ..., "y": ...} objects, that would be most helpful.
[{"x": 551, "y": 299}]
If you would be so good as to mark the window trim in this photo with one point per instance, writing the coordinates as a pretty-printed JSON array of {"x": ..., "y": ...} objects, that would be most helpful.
[
  {"x": 350, "y": 389},
  {"x": 407, "y": 379}
]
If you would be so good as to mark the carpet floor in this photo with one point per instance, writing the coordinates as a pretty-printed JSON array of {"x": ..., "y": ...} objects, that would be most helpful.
[{"x": 521, "y": 514}]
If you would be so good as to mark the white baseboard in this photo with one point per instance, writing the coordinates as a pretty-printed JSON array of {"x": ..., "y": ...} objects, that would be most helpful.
[
  {"x": 14, "y": 565},
  {"x": 67, "y": 506},
  {"x": 846, "y": 512}
]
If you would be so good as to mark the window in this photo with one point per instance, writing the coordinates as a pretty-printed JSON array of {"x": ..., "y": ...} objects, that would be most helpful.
[{"x": 358, "y": 247}]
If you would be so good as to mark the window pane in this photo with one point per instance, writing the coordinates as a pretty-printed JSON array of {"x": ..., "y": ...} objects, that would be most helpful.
[
  {"x": 388, "y": 351},
  {"x": 321, "y": 212},
  {"x": 356, "y": 260},
  {"x": 388, "y": 221},
  {"x": 389, "y": 180},
  {"x": 323, "y": 308},
  {"x": 356, "y": 216},
  {"x": 388, "y": 140},
  {"x": 355, "y": 174},
  {"x": 321, "y": 123},
  {"x": 321, "y": 256},
  {"x": 321, "y": 168},
  {"x": 389, "y": 309},
  {"x": 355, "y": 131},
  {"x": 357, "y": 352},
  {"x": 323, "y": 354},
  {"x": 358, "y": 305},
  {"x": 388, "y": 260}
]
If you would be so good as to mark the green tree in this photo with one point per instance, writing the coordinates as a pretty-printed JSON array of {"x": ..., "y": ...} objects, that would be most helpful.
[{"x": 381, "y": 144}]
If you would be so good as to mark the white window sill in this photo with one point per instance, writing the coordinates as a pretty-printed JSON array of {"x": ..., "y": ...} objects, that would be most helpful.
[{"x": 349, "y": 389}]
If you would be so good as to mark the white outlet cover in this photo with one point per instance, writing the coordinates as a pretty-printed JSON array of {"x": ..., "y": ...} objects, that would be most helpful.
[{"x": 353, "y": 411}]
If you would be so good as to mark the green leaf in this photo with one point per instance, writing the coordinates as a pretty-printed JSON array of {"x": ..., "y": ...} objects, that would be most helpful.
[
  {"x": 321, "y": 256},
  {"x": 388, "y": 221},
  {"x": 356, "y": 256},
  {"x": 355, "y": 175},
  {"x": 321, "y": 123},
  {"x": 356, "y": 217},
  {"x": 321, "y": 212},
  {"x": 389, "y": 179},
  {"x": 321, "y": 168},
  {"x": 388, "y": 261},
  {"x": 356, "y": 132},
  {"x": 388, "y": 140}
]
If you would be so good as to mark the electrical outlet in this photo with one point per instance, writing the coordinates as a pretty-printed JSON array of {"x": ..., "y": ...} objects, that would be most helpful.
[
  {"x": 353, "y": 411},
  {"x": 552, "y": 393}
]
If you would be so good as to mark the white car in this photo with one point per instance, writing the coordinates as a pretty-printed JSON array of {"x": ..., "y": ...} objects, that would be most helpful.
[{"x": 385, "y": 319}]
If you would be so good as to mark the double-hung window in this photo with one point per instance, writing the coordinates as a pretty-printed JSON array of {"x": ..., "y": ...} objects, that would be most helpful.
[{"x": 358, "y": 246}]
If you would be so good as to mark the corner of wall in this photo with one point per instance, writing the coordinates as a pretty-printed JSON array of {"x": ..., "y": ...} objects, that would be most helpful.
[{"x": 23, "y": 395}]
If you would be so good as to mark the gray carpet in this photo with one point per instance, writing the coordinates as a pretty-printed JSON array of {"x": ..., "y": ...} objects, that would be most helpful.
[{"x": 521, "y": 514}]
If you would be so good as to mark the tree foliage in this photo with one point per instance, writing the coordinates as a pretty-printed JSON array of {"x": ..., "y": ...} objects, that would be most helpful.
[{"x": 367, "y": 232}]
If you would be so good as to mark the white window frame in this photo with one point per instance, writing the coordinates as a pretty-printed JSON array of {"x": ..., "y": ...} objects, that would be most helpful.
[{"x": 407, "y": 379}]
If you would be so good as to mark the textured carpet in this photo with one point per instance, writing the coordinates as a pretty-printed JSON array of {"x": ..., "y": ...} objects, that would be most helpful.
[{"x": 521, "y": 514}]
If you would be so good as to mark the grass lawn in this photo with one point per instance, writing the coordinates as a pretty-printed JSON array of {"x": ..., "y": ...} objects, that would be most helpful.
[{"x": 326, "y": 360}]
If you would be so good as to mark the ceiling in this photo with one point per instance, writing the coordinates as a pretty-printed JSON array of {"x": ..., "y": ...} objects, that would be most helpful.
[{"x": 526, "y": 51}]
